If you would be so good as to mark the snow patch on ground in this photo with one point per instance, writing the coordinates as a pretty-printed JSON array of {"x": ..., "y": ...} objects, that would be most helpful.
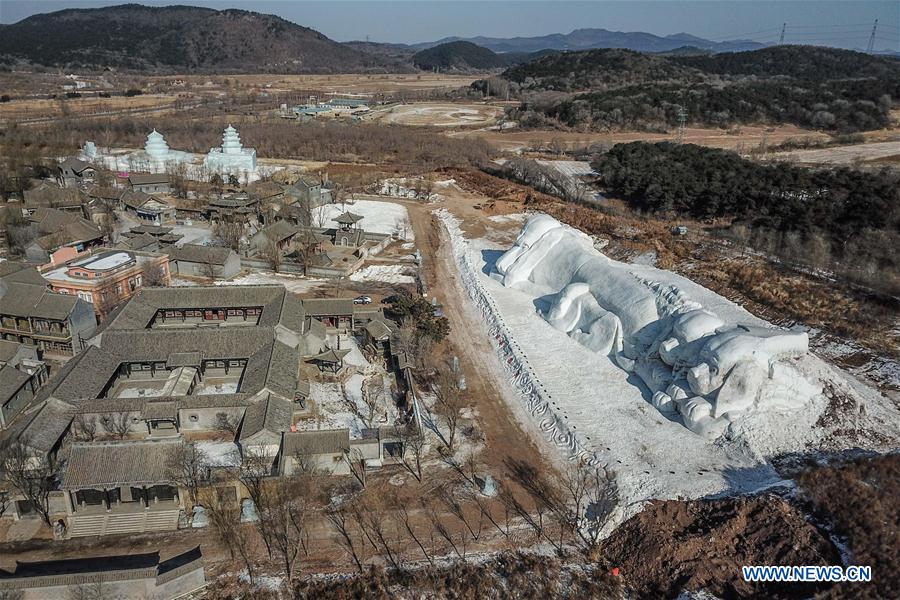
[
  {"x": 293, "y": 283},
  {"x": 378, "y": 217}
]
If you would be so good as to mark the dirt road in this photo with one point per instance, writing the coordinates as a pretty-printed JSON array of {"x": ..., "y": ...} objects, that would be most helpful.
[{"x": 508, "y": 434}]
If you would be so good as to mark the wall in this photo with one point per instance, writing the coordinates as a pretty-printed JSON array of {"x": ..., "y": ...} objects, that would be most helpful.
[
  {"x": 82, "y": 322},
  {"x": 206, "y": 417}
]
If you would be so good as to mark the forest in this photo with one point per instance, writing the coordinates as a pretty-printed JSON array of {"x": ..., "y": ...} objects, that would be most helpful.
[
  {"x": 839, "y": 91},
  {"x": 843, "y": 218}
]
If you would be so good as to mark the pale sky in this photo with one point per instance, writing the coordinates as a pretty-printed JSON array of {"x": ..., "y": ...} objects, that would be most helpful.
[{"x": 844, "y": 23}]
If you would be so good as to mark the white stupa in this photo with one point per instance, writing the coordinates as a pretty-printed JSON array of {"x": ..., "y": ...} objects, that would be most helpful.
[
  {"x": 156, "y": 157},
  {"x": 231, "y": 158}
]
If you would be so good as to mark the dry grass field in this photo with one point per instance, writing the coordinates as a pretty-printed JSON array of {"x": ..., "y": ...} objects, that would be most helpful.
[
  {"x": 45, "y": 108},
  {"x": 343, "y": 83},
  {"x": 744, "y": 137}
]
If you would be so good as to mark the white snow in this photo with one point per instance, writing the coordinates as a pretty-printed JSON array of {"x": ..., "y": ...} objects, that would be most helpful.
[
  {"x": 695, "y": 364},
  {"x": 293, "y": 283},
  {"x": 378, "y": 217},
  {"x": 220, "y": 454},
  {"x": 590, "y": 407},
  {"x": 385, "y": 273}
]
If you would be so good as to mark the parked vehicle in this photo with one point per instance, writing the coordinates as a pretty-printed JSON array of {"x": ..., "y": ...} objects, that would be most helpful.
[{"x": 362, "y": 300}]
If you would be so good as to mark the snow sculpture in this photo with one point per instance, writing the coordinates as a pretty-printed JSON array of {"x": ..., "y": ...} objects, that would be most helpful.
[
  {"x": 695, "y": 365},
  {"x": 231, "y": 158}
]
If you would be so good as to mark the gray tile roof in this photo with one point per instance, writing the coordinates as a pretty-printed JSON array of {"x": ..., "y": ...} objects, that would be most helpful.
[
  {"x": 278, "y": 231},
  {"x": 45, "y": 425},
  {"x": 159, "y": 409},
  {"x": 138, "y": 242},
  {"x": 196, "y": 253},
  {"x": 324, "y": 307},
  {"x": 11, "y": 381},
  {"x": 25, "y": 300},
  {"x": 183, "y": 359},
  {"x": 19, "y": 272},
  {"x": 8, "y": 350},
  {"x": 119, "y": 463},
  {"x": 305, "y": 443},
  {"x": 75, "y": 165},
  {"x": 49, "y": 194},
  {"x": 148, "y": 178},
  {"x": 268, "y": 415}
]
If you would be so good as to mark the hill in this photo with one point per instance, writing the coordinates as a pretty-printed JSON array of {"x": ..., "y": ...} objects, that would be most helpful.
[
  {"x": 809, "y": 63},
  {"x": 457, "y": 56},
  {"x": 582, "y": 39},
  {"x": 821, "y": 88},
  {"x": 589, "y": 69},
  {"x": 179, "y": 38}
]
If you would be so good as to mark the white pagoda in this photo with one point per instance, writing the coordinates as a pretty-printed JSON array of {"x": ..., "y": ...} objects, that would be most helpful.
[{"x": 231, "y": 158}]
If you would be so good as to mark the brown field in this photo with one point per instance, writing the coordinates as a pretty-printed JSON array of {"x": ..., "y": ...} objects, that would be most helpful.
[
  {"x": 44, "y": 108},
  {"x": 344, "y": 83},
  {"x": 746, "y": 137}
]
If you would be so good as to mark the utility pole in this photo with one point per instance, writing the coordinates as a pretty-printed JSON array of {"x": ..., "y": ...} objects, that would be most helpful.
[
  {"x": 781, "y": 39},
  {"x": 871, "y": 47}
]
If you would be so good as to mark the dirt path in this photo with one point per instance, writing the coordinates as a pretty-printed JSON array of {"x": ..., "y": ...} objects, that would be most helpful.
[{"x": 508, "y": 431}]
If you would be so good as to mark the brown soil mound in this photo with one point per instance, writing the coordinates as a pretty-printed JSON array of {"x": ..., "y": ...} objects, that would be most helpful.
[
  {"x": 672, "y": 546},
  {"x": 860, "y": 501}
]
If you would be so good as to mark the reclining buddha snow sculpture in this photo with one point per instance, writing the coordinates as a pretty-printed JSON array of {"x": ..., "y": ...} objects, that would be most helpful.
[{"x": 693, "y": 362}]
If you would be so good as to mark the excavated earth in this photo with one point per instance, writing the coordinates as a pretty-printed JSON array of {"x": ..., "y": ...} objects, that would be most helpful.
[
  {"x": 676, "y": 546},
  {"x": 672, "y": 546}
]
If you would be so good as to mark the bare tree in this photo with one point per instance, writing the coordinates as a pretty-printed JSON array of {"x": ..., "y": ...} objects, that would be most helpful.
[
  {"x": 224, "y": 513},
  {"x": 189, "y": 468},
  {"x": 227, "y": 423},
  {"x": 449, "y": 400},
  {"x": 412, "y": 449},
  {"x": 287, "y": 505},
  {"x": 85, "y": 427},
  {"x": 402, "y": 228},
  {"x": 270, "y": 251},
  {"x": 371, "y": 516},
  {"x": 255, "y": 469},
  {"x": 230, "y": 233},
  {"x": 210, "y": 269},
  {"x": 89, "y": 591},
  {"x": 357, "y": 465},
  {"x": 154, "y": 276},
  {"x": 339, "y": 517},
  {"x": 30, "y": 474},
  {"x": 399, "y": 506},
  {"x": 116, "y": 423}
]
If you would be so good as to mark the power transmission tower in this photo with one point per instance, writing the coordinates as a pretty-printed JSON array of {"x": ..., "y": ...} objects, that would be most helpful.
[
  {"x": 682, "y": 119},
  {"x": 781, "y": 39},
  {"x": 871, "y": 47}
]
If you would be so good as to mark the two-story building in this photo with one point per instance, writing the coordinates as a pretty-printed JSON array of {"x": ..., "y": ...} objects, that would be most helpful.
[
  {"x": 108, "y": 278},
  {"x": 30, "y": 314}
]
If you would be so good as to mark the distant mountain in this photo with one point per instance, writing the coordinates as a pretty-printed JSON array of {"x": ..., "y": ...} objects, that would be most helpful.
[
  {"x": 457, "y": 56},
  {"x": 583, "y": 39},
  {"x": 401, "y": 52},
  {"x": 179, "y": 38}
]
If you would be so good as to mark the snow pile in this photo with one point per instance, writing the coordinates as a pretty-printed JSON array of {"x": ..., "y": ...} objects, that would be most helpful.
[
  {"x": 386, "y": 273},
  {"x": 413, "y": 188},
  {"x": 694, "y": 363}
]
